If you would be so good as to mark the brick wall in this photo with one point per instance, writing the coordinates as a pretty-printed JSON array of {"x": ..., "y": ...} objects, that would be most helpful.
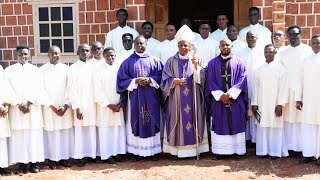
[
  {"x": 97, "y": 17},
  {"x": 16, "y": 27},
  {"x": 265, "y": 7}
]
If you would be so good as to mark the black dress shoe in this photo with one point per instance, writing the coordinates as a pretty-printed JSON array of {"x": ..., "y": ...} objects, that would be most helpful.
[
  {"x": 117, "y": 158},
  {"x": 34, "y": 168},
  {"x": 52, "y": 164},
  {"x": 5, "y": 171},
  {"x": 82, "y": 162},
  {"x": 216, "y": 157},
  {"x": 136, "y": 158},
  {"x": 98, "y": 160},
  {"x": 174, "y": 157},
  {"x": 154, "y": 158},
  {"x": 318, "y": 162},
  {"x": 65, "y": 163},
  {"x": 305, "y": 160},
  {"x": 22, "y": 168},
  {"x": 110, "y": 160},
  {"x": 274, "y": 157}
]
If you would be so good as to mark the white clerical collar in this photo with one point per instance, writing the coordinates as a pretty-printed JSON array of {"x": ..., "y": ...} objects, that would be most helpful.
[
  {"x": 188, "y": 56},
  {"x": 255, "y": 25},
  {"x": 122, "y": 27},
  {"x": 225, "y": 57},
  {"x": 141, "y": 54}
]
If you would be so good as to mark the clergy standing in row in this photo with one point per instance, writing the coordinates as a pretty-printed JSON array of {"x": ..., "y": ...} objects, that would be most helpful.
[
  {"x": 307, "y": 97},
  {"x": 153, "y": 44},
  {"x": 220, "y": 33},
  {"x": 237, "y": 44},
  {"x": 226, "y": 91},
  {"x": 80, "y": 89},
  {"x": 253, "y": 58},
  {"x": 292, "y": 58},
  {"x": 113, "y": 38},
  {"x": 57, "y": 114},
  {"x": 138, "y": 80},
  {"x": 207, "y": 48},
  {"x": 269, "y": 98},
  {"x": 168, "y": 47},
  {"x": 185, "y": 127},
  {"x": 26, "y": 141},
  {"x": 127, "y": 42},
  {"x": 264, "y": 34},
  {"x": 110, "y": 117}
]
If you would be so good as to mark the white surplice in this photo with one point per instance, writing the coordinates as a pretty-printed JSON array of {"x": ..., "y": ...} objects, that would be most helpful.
[
  {"x": 153, "y": 47},
  {"x": 264, "y": 34},
  {"x": 292, "y": 58},
  {"x": 114, "y": 37},
  {"x": 123, "y": 55},
  {"x": 219, "y": 34},
  {"x": 238, "y": 45},
  {"x": 111, "y": 126},
  {"x": 26, "y": 141},
  {"x": 307, "y": 91},
  {"x": 253, "y": 59},
  {"x": 207, "y": 49},
  {"x": 167, "y": 49},
  {"x": 271, "y": 89},
  {"x": 80, "y": 90},
  {"x": 58, "y": 131}
]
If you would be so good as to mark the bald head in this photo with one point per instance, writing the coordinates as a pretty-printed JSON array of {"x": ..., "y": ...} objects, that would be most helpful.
[
  {"x": 54, "y": 54},
  {"x": 225, "y": 47},
  {"x": 252, "y": 38},
  {"x": 84, "y": 52},
  {"x": 97, "y": 50}
]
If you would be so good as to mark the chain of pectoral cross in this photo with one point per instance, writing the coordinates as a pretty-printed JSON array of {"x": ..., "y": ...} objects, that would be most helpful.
[
  {"x": 145, "y": 114},
  {"x": 142, "y": 72}
]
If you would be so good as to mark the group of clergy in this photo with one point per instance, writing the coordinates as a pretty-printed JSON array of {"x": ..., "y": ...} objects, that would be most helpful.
[{"x": 137, "y": 95}]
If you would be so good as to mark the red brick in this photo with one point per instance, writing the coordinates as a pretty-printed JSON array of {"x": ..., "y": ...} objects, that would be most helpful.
[
  {"x": 82, "y": 6},
  {"x": 25, "y": 30},
  {"x": 7, "y": 54},
  {"x": 139, "y": 1},
  {"x": 132, "y": 11},
  {"x": 294, "y": 9},
  {"x": 278, "y": 17},
  {"x": 277, "y": 27},
  {"x": 301, "y": 20},
  {"x": 100, "y": 38},
  {"x": 29, "y": 20},
  {"x": 116, "y": 4},
  {"x": 279, "y": 6},
  {"x": 95, "y": 28},
  {"x": 83, "y": 39},
  {"x": 311, "y": 20},
  {"x": 113, "y": 26},
  {"x": 22, "y": 20},
  {"x": 17, "y": 30},
  {"x": 22, "y": 40},
  {"x": 142, "y": 11},
  {"x": 315, "y": 30},
  {"x": 257, "y": 3},
  {"x": 316, "y": 7},
  {"x": 288, "y": 7},
  {"x": 267, "y": 13},
  {"x": 305, "y": 8},
  {"x": 268, "y": 24},
  {"x": 2, "y": 21},
  {"x": 13, "y": 42},
  {"x": 301, "y": 0},
  {"x": 111, "y": 16},
  {"x": 3, "y": 42},
  {"x": 7, "y": 31},
  {"x": 11, "y": 20},
  {"x": 104, "y": 28},
  {"x": 90, "y": 6},
  {"x": 31, "y": 41},
  {"x": 129, "y": 2},
  {"x": 92, "y": 39},
  {"x": 7, "y": 9},
  {"x": 31, "y": 30},
  {"x": 81, "y": 18},
  {"x": 13, "y": 1},
  {"x": 290, "y": 20},
  {"x": 268, "y": 2},
  {"x": 130, "y": 24},
  {"x": 138, "y": 27},
  {"x": 84, "y": 29},
  {"x": 306, "y": 33},
  {"x": 17, "y": 9},
  {"x": 100, "y": 17},
  {"x": 27, "y": 9},
  {"x": 89, "y": 17},
  {"x": 318, "y": 20},
  {"x": 102, "y": 5}
]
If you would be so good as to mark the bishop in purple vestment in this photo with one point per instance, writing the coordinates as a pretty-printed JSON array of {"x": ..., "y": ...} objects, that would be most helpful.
[
  {"x": 226, "y": 89},
  {"x": 138, "y": 79}
]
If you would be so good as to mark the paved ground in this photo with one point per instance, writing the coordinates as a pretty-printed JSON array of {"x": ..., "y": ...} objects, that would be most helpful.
[{"x": 248, "y": 167}]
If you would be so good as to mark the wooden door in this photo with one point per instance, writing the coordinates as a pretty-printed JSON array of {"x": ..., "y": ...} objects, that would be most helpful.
[
  {"x": 157, "y": 12},
  {"x": 240, "y": 12}
]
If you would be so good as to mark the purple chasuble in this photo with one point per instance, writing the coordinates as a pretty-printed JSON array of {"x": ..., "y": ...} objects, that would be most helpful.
[
  {"x": 179, "y": 103},
  {"x": 144, "y": 101},
  {"x": 227, "y": 120}
]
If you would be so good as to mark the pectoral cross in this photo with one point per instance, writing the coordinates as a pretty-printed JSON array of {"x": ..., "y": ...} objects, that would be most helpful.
[
  {"x": 184, "y": 73},
  {"x": 141, "y": 71},
  {"x": 226, "y": 75},
  {"x": 145, "y": 114}
]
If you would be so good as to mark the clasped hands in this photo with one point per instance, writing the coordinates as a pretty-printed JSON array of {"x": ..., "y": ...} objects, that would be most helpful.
[
  {"x": 24, "y": 107},
  {"x": 4, "y": 108},
  {"x": 59, "y": 110},
  {"x": 179, "y": 82},
  {"x": 143, "y": 81},
  {"x": 225, "y": 99},
  {"x": 115, "y": 107}
]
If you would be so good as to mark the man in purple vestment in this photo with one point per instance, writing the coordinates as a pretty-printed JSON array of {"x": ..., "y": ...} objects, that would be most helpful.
[
  {"x": 138, "y": 80},
  {"x": 184, "y": 103},
  {"x": 226, "y": 89}
]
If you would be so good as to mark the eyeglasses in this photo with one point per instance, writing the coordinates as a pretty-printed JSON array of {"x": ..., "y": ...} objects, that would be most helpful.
[
  {"x": 293, "y": 34},
  {"x": 277, "y": 35}
]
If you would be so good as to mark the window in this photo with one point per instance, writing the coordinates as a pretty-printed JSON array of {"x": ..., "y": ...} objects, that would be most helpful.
[{"x": 55, "y": 23}]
